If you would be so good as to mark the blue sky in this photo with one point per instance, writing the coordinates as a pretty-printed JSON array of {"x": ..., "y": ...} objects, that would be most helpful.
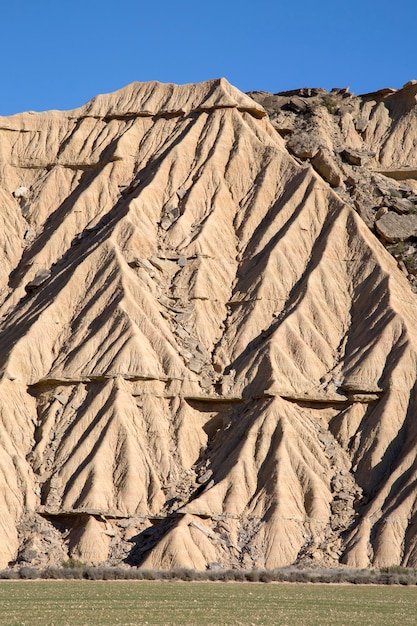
[{"x": 59, "y": 54}]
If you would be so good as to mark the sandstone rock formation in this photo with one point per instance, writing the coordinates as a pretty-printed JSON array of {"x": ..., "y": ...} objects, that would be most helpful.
[
  {"x": 206, "y": 354},
  {"x": 365, "y": 148}
]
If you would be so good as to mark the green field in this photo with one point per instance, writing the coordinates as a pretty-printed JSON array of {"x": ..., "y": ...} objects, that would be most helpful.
[{"x": 110, "y": 603}]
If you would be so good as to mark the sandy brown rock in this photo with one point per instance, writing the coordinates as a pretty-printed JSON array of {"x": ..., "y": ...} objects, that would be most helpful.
[
  {"x": 324, "y": 164},
  {"x": 393, "y": 227},
  {"x": 206, "y": 355},
  {"x": 363, "y": 146}
]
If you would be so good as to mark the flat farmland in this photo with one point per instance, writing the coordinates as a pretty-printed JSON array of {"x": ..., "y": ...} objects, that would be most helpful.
[{"x": 110, "y": 603}]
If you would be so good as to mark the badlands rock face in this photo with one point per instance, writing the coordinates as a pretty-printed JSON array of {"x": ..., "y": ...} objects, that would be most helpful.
[
  {"x": 207, "y": 356},
  {"x": 365, "y": 148}
]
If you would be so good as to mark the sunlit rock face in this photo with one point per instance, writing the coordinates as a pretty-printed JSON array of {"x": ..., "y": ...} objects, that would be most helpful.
[{"x": 206, "y": 355}]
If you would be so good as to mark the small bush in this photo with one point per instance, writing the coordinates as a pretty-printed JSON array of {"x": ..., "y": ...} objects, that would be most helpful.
[
  {"x": 227, "y": 575},
  {"x": 395, "y": 569},
  {"x": 299, "y": 576},
  {"x": 29, "y": 573},
  {"x": 110, "y": 573},
  {"x": 251, "y": 576},
  {"x": 150, "y": 574},
  {"x": 406, "y": 580},
  {"x": 72, "y": 563},
  {"x": 9, "y": 574},
  {"x": 360, "y": 577},
  {"x": 186, "y": 574},
  {"x": 52, "y": 573},
  {"x": 388, "y": 579},
  {"x": 279, "y": 575},
  {"x": 401, "y": 247},
  {"x": 266, "y": 577},
  {"x": 330, "y": 104}
]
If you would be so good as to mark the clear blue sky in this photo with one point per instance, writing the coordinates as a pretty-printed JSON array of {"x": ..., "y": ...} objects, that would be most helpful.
[{"x": 57, "y": 54}]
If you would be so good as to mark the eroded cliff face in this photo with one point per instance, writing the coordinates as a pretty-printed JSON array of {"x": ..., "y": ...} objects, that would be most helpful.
[
  {"x": 206, "y": 354},
  {"x": 365, "y": 147}
]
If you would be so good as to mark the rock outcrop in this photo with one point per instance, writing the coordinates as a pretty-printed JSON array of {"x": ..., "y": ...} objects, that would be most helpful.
[
  {"x": 365, "y": 148},
  {"x": 206, "y": 354}
]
